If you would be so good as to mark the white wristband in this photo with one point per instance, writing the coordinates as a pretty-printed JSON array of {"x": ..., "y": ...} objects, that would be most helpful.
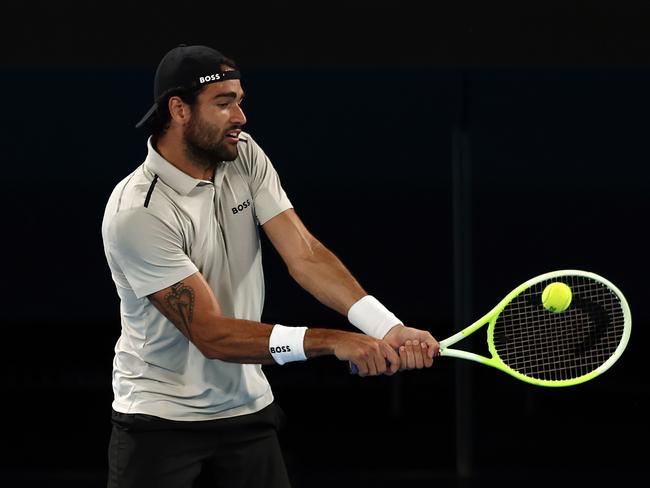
[
  {"x": 286, "y": 343},
  {"x": 371, "y": 317}
]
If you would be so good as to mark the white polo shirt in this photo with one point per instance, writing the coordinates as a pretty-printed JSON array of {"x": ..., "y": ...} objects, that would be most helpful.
[{"x": 160, "y": 226}]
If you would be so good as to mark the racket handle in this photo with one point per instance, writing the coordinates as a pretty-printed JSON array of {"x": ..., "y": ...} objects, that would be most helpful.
[{"x": 354, "y": 369}]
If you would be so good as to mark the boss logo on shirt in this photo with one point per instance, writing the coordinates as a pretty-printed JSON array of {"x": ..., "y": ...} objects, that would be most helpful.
[
  {"x": 241, "y": 207},
  {"x": 277, "y": 349}
]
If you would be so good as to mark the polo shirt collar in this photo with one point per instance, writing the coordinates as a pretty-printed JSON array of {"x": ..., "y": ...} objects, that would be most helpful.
[{"x": 181, "y": 182}]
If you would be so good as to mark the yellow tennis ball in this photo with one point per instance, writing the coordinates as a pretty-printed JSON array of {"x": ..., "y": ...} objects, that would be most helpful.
[{"x": 556, "y": 297}]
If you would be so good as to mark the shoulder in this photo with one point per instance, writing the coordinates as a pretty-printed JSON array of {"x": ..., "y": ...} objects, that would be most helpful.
[
  {"x": 245, "y": 139},
  {"x": 138, "y": 220},
  {"x": 252, "y": 157},
  {"x": 131, "y": 210},
  {"x": 248, "y": 148},
  {"x": 131, "y": 191},
  {"x": 138, "y": 227}
]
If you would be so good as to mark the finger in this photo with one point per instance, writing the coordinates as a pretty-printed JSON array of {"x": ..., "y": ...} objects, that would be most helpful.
[
  {"x": 372, "y": 366},
  {"x": 427, "y": 354},
  {"x": 402, "y": 358},
  {"x": 410, "y": 358},
  {"x": 378, "y": 357},
  {"x": 362, "y": 368},
  {"x": 379, "y": 361},
  {"x": 393, "y": 359},
  {"x": 433, "y": 348},
  {"x": 417, "y": 354}
]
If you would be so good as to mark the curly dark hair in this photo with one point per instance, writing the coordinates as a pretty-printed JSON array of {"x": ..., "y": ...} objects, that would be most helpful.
[{"x": 161, "y": 118}]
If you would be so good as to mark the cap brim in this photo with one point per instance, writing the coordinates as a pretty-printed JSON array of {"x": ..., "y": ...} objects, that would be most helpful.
[{"x": 147, "y": 116}]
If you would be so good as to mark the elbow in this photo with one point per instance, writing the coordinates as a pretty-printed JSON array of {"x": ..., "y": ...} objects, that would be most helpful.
[
  {"x": 209, "y": 349},
  {"x": 297, "y": 272},
  {"x": 299, "y": 267},
  {"x": 210, "y": 338}
]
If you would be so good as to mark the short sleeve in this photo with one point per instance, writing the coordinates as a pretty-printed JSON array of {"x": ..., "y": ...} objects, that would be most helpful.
[
  {"x": 148, "y": 251},
  {"x": 269, "y": 197}
]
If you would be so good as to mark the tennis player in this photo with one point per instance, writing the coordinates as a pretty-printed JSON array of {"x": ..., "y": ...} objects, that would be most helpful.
[{"x": 181, "y": 237}]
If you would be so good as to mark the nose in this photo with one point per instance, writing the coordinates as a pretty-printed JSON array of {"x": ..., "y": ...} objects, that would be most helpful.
[{"x": 238, "y": 116}]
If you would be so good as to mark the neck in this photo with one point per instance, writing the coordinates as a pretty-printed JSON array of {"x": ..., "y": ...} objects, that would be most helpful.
[{"x": 171, "y": 148}]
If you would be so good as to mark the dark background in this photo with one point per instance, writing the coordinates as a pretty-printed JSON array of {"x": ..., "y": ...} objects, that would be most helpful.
[{"x": 445, "y": 156}]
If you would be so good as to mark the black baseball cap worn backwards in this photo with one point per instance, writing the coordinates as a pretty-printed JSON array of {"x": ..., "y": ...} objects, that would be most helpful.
[{"x": 187, "y": 67}]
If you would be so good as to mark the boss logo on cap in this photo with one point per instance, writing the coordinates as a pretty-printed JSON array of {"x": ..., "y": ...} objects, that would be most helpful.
[{"x": 214, "y": 77}]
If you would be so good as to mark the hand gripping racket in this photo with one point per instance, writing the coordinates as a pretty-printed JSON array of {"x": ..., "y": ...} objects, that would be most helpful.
[{"x": 548, "y": 348}]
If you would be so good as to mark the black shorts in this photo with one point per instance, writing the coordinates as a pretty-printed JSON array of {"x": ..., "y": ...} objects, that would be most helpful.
[{"x": 244, "y": 452}]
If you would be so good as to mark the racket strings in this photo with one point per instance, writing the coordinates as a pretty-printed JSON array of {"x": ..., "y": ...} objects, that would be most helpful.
[{"x": 560, "y": 346}]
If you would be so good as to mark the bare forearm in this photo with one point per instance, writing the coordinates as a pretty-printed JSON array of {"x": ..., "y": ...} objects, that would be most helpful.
[
  {"x": 325, "y": 277},
  {"x": 234, "y": 340},
  {"x": 247, "y": 342},
  {"x": 193, "y": 309}
]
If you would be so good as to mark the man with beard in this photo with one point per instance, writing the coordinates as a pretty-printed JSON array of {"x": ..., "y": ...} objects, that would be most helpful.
[{"x": 181, "y": 240}]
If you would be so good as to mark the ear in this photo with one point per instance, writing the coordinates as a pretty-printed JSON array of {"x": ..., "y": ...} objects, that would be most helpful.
[{"x": 180, "y": 112}]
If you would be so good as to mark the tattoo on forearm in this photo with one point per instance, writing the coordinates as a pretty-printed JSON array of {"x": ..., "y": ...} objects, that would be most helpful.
[{"x": 180, "y": 301}]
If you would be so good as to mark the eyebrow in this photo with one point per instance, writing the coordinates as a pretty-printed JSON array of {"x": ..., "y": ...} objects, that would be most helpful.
[{"x": 228, "y": 95}]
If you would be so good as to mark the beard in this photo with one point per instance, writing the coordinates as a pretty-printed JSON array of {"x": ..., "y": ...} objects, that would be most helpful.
[{"x": 205, "y": 145}]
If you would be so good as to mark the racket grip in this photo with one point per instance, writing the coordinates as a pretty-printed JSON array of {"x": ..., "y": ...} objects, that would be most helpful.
[{"x": 354, "y": 369}]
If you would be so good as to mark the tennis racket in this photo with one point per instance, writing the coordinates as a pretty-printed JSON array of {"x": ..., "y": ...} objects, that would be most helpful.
[{"x": 552, "y": 348}]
